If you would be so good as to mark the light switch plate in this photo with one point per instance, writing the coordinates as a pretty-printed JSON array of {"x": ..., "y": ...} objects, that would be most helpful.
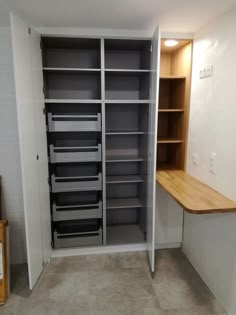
[
  {"x": 206, "y": 71},
  {"x": 195, "y": 159},
  {"x": 212, "y": 166}
]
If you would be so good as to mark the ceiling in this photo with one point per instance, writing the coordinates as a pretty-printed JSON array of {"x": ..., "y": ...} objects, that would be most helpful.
[{"x": 173, "y": 15}]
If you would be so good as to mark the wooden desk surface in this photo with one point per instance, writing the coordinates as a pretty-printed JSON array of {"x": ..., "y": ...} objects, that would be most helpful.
[{"x": 191, "y": 194}]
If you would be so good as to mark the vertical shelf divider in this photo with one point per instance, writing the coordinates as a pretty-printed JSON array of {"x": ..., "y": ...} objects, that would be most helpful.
[{"x": 103, "y": 140}]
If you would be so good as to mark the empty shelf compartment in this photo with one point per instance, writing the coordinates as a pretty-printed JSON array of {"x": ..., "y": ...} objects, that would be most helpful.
[
  {"x": 124, "y": 234},
  {"x": 76, "y": 183},
  {"x": 127, "y": 54},
  {"x": 129, "y": 86},
  {"x": 77, "y": 212},
  {"x": 75, "y": 154},
  {"x": 74, "y": 122},
  {"x": 68, "y": 52},
  {"x": 77, "y": 233},
  {"x": 83, "y": 85}
]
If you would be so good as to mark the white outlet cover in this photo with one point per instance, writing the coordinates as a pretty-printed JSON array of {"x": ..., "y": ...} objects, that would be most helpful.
[
  {"x": 206, "y": 71},
  {"x": 195, "y": 159}
]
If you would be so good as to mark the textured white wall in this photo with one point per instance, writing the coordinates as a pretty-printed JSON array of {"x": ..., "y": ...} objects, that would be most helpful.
[
  {"x": 210, "y": 240},
  {"x": 12, "y": 202}
]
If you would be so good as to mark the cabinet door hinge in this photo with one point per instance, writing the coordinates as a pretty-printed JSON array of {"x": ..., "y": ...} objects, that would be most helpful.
[
  {"x": 151, "y": 48},
  {"x": 44, "y": 90},
  {"x": 44, "y": 111},
  {"x": 29, "y": 30}
]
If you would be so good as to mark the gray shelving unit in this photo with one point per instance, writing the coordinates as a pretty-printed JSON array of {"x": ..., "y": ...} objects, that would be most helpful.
[{"x": 97, "y": 99}]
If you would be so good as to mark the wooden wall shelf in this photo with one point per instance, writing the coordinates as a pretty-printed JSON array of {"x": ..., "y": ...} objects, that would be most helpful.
[
  {"x": 172, "y": 77},
  {"x": 171, "y": 110},
  {"x": 191, "y": 194},
  {"x": 169, "y": 140}
]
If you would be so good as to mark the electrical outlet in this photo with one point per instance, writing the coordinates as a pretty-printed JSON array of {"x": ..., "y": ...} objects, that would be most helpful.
[
  {"x": 206, "y": 71},
  {"x": 212, "y": 166},
  {"x": 195, "y": 159}
]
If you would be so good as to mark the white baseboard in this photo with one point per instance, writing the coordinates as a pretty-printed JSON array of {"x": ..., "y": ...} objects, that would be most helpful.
[
  {"x": 98, "y": 250},
  {"x": 108, "y": 249},
  {"x": 168, "y": 245}
]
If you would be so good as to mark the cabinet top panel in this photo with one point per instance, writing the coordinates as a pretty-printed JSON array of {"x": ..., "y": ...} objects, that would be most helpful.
[
  {"x": 127, "y": 44},
  {"x": 71, "y": 42}
]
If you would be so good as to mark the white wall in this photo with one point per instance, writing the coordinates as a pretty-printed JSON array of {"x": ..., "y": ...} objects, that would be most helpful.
[
  {"x": 210, "y": 240},
  {"x": 12, "y": 200}
]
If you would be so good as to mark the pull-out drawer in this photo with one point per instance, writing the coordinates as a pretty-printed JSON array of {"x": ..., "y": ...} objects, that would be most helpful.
[
  {"x": 78, "y": 239},
  {"x": 76, "y": 183},
  {"x": 74, "y": 123},
  {"x": 75, "y": 154},
  {"x": 77, "y": 233},
  {"x": 77, "y": 212}
]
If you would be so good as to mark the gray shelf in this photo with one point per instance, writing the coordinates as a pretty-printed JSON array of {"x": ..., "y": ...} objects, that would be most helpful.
[
  {"x": 78, "y": 239},
  {"x": 77, "y": 212},
  {"x": 119, "y": 179},
  {"x": 62, "y": 70},
  {"x": 75, "y": 154},
  {"x": 121, "y": 133},
  {"x": 127, "y": 101},
  {"x": 76, "y": 183},
  {"x": 137, "y": 71},
  {"x": 71, "y": 101},
  {"x": 68, "y": 123},
  {"x": 123, "y": 158},
  {"x": 120, "y": 203}
]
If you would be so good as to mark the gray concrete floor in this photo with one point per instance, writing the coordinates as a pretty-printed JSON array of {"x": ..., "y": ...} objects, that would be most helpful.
[{"x": 113, "y": 284}]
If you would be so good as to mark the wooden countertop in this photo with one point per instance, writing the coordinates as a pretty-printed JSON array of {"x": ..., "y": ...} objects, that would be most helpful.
[{"x": 191, "y": 194}]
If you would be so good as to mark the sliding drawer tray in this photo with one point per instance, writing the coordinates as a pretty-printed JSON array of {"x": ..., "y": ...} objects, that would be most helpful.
[
  {"x": 77, "y": 212},
  {"x": 76, "y": 183},
  {"x": 78, "y": 239},
  {"x": 77, "y": 233},
  {"x": 75, "y": 154},
  {"x": 63, "y": 123}
]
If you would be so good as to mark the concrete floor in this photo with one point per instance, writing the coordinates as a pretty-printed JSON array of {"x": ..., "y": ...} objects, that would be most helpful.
[{"x": 111, "y": 285}]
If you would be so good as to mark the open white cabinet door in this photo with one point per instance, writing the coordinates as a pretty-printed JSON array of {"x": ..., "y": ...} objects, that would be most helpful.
[
  {"x": 41, "y": 138},
  {"x": 30, "y": 144},
  {"x": 152, "y": 148}
]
